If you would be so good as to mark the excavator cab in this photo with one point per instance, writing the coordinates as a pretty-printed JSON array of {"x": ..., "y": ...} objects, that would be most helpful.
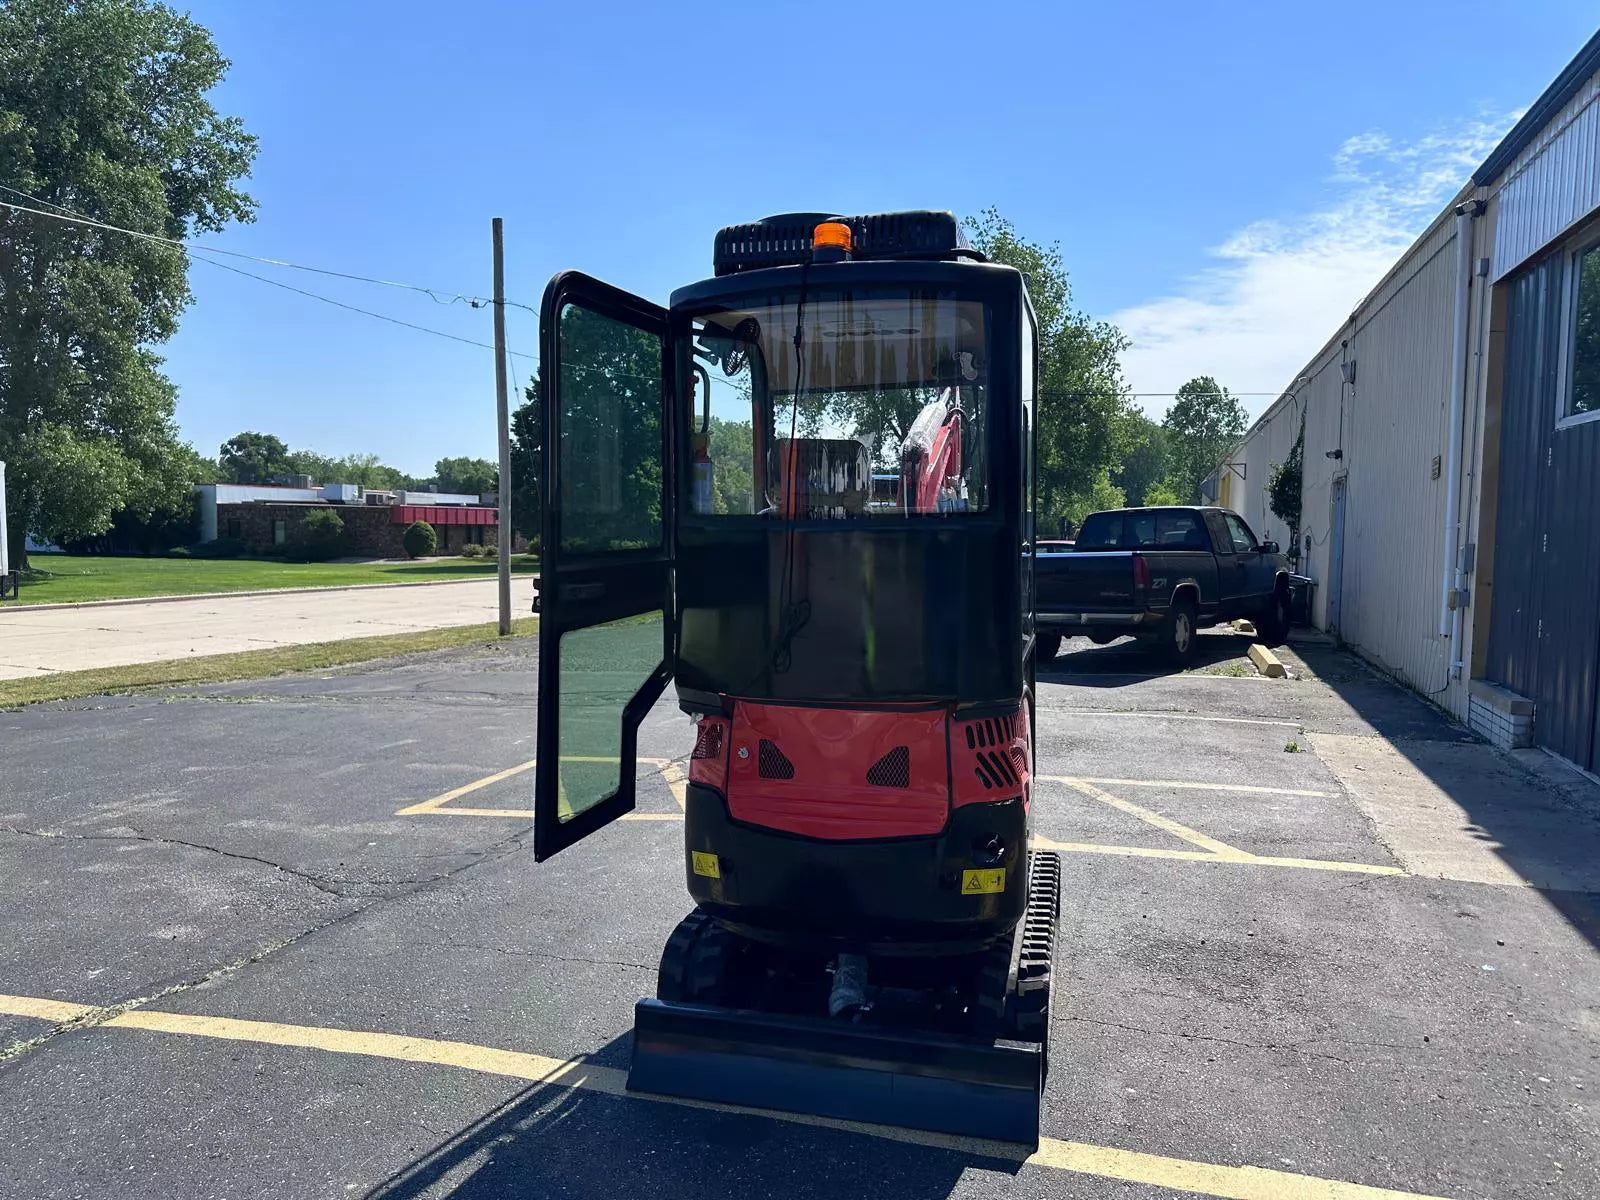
[{"x": 802, "y": 493}]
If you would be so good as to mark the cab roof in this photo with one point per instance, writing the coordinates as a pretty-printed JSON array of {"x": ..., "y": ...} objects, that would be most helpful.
[{"x": 785, "y": 240}]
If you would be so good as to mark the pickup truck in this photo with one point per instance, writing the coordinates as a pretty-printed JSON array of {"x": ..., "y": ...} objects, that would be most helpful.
[{"x": 1159, "y": 574}]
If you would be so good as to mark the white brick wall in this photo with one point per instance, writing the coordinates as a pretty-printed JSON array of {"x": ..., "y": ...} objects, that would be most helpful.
[{"x": 1509, "y": 731}]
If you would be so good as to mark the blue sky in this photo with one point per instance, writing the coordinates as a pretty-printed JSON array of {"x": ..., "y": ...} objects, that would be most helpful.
[{"x": 1225, "y": 181}]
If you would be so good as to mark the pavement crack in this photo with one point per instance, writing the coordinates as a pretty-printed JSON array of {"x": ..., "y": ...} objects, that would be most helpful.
[
  {"x": 333, "y": 887},
  {"x": 109, "y": 1012}
]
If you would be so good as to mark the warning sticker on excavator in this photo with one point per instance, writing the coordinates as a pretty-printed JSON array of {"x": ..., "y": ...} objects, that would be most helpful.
[
  {"x": 708, "y": 865},
  {"x": 983, "y": 883}
]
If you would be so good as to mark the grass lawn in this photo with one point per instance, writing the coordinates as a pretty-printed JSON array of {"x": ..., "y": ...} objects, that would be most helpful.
[
  {"x": 248, "y": 664},
  {"x": 68, "y": 578}
]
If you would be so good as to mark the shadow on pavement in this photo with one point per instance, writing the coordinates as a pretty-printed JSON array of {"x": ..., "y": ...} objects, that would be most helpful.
[
  {"x": 1539, "y": 819},
  {"x": 549, "y": 1140},
  {"x": 1127, "y": 660}
]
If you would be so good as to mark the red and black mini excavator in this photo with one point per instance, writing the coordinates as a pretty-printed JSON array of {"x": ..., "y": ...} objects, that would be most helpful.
[{"x": 803, "y": 493}]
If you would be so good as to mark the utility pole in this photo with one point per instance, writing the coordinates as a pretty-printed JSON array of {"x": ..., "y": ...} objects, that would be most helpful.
[{"x": 504, "y": 415}]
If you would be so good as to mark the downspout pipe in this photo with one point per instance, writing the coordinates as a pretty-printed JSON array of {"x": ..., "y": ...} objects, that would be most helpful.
[{"x": 1449, "y": 612}]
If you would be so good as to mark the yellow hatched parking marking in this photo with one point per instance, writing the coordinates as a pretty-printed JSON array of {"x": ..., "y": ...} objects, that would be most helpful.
[
  {"x": 441, "y": 806},
  {"x": 1211, "y": 850},
  {"x": 1079, "y": 1158},
  {"x": 1165, "y": 824},
  {"x": 1196, "y": 786}
]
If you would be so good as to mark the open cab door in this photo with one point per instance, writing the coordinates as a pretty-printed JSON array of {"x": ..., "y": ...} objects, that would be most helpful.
[{"x": 605, "y": 553}]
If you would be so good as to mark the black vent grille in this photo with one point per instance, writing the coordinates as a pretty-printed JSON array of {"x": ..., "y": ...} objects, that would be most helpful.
[
  {"x": 893, "y": 770},
  {"x": 772, "y": 763},
  {"x": 991, "y": 731},
  {"x": 786, "y": 240}
]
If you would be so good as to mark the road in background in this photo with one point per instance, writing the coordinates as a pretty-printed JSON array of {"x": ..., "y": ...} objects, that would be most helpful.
[{"x": 49, "y": 638}]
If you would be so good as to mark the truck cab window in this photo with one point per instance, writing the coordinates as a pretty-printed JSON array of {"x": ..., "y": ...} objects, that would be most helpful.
[{"x": 1244, "y": 542}]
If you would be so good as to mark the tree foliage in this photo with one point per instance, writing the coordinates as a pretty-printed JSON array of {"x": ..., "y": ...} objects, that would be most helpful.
[
  {"x": 472, "y": 476},
  {"x": 1284, "y": 484},
  {"x": 1083, "y": 403},
  {"x": 254, "y": 458},
  {"x": 366, "y": 470},
  {"x": 1202, "y": 424},
  {"x": 104, "y": 112},
  {"x": 1143, "y": 464},
  {"x": 527, "y": 445}
]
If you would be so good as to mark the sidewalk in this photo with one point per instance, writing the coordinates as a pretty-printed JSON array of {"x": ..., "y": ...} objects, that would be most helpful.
[{"x": 47, "y": 639}]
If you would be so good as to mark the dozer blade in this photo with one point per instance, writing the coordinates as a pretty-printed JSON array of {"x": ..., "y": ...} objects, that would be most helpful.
[{"x": 834, "y": 1069}]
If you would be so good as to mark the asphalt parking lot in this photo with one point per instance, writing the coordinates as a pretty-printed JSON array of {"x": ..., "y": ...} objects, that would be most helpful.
[{"x": 287, "y": 938}]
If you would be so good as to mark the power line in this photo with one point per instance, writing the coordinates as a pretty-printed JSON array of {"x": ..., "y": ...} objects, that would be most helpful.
[
  {"x": 289, "y": 287},
  {"x": 76, "y": 218}
]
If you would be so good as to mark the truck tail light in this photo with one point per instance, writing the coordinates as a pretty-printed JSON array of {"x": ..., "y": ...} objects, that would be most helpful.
[{"x": 1141, "y": 571}]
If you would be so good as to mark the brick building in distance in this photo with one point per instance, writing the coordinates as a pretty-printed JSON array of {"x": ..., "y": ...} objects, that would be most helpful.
[{"x": 266, "y": 517}]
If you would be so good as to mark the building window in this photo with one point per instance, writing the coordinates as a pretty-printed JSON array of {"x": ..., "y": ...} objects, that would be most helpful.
[
  {"x": 235, "y": 528},
  {"x": 280, "y": 533},
  {"x": 1583, "y": 380}
]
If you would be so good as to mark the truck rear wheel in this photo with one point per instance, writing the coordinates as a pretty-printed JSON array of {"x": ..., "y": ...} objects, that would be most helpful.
[
  {"x": 1274, "y": 624},
  {"x": 1048, "y": 646},
  {"x": 1176, "y": 639}
]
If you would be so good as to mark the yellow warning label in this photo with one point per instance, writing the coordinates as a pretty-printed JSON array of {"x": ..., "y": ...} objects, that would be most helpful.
[
  {"x": 983, "y": 883},
  {"x": 707, "y": 864}
]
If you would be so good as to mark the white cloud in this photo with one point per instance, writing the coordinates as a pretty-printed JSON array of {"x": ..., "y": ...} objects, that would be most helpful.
[{"x": 1282, "y": 286}]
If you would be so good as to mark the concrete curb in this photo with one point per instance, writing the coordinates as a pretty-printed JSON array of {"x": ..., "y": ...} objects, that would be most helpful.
[
  {"x": 11, "y": 607},
  {"x": 1266, "y": 662}
]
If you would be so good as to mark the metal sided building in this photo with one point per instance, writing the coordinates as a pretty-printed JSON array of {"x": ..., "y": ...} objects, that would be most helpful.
[{"x": 1451, "y": 492}]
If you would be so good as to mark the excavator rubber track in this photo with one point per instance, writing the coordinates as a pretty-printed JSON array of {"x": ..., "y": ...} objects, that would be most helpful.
[{"x": 965, "y": 1084}]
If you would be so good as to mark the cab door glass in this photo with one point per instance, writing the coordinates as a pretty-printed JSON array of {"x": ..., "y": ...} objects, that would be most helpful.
[{"x": 610, "y": 434}]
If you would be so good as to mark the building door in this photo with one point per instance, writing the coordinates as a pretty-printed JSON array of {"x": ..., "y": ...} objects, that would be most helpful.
[{"x": 1336, "y": 554}]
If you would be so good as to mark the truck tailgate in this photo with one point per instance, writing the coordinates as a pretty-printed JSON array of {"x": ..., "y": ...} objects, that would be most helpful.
[{"x": 1085, "y": 581}]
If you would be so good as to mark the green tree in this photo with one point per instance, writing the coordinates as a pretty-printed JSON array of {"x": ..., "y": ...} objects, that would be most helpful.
[
  {"x": 1084, "y": 408},
  {"x": 366, "y": 470},
  {"x": 1202, "y": 424},
  {"x": 527, "y": 445},
  {"x": 104, "y": 112},
  {"x": 1285, "y": 481},
  {"x": 419, "y": 539},
  {"x": 254, "y": 458},
  {"x": 732, "y": 455},
  {"x": 1159, "y": 494},
  {"x": 472, "y": 476},
  {"x": 1144, "y": 459}
]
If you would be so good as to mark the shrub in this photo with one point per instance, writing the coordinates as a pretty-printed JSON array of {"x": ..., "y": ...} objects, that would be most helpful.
[
  {"x": 222, "y": 547},
  {"x": 179, "y": 552},
  {"x": 419, "y": 539},
  {"x": 473, "y": 550},
  {"x": 319, "y": 538}
]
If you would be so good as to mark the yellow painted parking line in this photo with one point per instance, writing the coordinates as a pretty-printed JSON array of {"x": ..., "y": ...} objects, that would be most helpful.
[
  {"x": 43, "y": 1009},
  {"x": 1172, "y": 716},
  {"x": 438, "y": 802},
  {"x": 1196, "y": 786},
  {"x": 1325, "y": 864},
  {"x": 1040, "y": 842},
  {"x": 441, "y": 806},
  {"x": 1078, "y": 1158},
  {"x": 1165, "y": 824}
]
